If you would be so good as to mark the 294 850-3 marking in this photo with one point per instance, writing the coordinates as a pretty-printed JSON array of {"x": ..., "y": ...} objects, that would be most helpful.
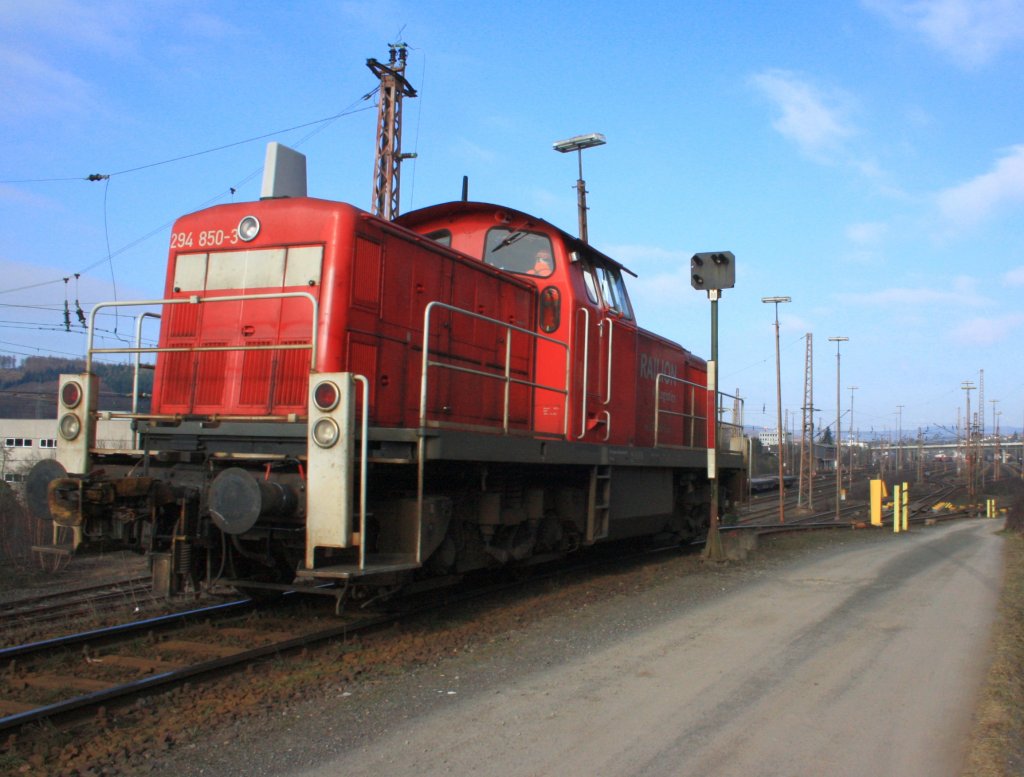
[{"x": 207, "y": 238}]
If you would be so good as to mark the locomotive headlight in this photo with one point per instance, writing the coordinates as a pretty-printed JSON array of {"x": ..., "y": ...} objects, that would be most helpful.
[
  {"x": 326, "y": 396},
  {"x": 325, "y": 432},
  {"x": 69, "y": 427},
  {"x": 71, "y": 394},
  {"x": 248, "y": 228}
]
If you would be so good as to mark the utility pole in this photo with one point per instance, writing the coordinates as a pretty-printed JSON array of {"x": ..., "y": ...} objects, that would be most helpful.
[
  {"x": 778, "y": 406},
  {"x": 995, "y": 431},
  {"x": 920, "y": 455},
  {"x": 967, "y": 386},
  {"x": 981, "y": 405},
  {"x": 899, "y": 440},
  {"x": 999, "y": 449},
  {"x": 849, "y": 437},
  {"x": 389, "y": 156},
  {"x": 839, "y": 456}
]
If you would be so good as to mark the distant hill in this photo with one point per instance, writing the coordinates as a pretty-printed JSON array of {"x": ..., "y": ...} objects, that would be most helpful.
[{"x": 29, "y": 389}]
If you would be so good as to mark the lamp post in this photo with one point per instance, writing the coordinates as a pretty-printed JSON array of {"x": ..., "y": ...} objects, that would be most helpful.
[
  {"x": 839, "y": 458},
  {"x": 577, "y": 144},
  {"x": 713, "y": 272},
  {"x": 778, "y": 405}
]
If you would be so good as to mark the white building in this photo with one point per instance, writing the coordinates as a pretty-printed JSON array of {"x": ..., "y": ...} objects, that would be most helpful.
[
  {"x": 770, "y": 437},
  {"x": 27, "y": 440}
]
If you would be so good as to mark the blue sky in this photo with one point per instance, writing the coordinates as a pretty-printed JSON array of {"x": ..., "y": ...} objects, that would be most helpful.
[{"x": 864, "y": 158}]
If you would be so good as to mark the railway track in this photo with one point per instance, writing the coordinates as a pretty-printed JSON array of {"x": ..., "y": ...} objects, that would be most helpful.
[
  {"x": 763, "y": 512},
  {"x": 133, "y": 593},
  {"x": 68, "y": 678},
  {"x": 57, "y": 678},
  {"x": 71, "y": 676}
]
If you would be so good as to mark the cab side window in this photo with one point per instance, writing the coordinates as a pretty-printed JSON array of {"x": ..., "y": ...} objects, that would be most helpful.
[
  {"x": 604, "y": 282},
  {"x": 442, "y": 236},
  {"x": 589, "y": 280}
]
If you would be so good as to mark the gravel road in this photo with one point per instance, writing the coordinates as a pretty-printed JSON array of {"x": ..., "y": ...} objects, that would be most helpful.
[
  {"x": 861, "y": 655},
  {"x": 863, "y": 661}
]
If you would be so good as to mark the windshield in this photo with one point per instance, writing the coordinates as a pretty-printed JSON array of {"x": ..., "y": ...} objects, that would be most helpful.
[{"x": 526, "y": 253}]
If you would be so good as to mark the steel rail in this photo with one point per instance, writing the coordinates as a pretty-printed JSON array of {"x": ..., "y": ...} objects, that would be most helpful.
[
  {"x": 70, "y": 640},
  {"x": 124, "y": 690},
  {"x": 39, "y": 598}
]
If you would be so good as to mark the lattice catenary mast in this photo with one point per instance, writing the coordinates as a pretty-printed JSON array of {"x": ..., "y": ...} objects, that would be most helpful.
[
  {"x": 807, "y": 431},
  {"x": 389, "y": 156}
]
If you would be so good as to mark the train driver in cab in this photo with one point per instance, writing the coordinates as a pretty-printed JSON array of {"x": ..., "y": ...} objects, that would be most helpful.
[{"x": 542, "y": 264}]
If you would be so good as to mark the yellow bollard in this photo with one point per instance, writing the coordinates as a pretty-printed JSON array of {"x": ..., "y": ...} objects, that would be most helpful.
[
  {"x": 896, "y": 509},
  {"x": 906, "y": 505},
  {"x": 876, "y": 502}
]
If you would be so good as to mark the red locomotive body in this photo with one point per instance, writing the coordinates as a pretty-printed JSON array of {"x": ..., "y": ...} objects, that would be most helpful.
[{"x": 340, "y": 397}]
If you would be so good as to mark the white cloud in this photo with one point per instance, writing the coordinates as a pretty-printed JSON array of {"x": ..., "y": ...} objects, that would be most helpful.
[
  {"x": 110, "y": 25},
  {"x": 468, "y": 150},
  {"x": 972, "y": 202},
  {"x": 208, "y": 26},
  {"x": 987, "y": 331},
  {"x": 971, "y": 32},
  {"x": 813, "y": 119},
  {"x": 634, "y": 254},
  {"x": 866, "y": 233},
  {"x": 23, "y": 197},
  {"x": 1014, "y": 277},
  {"x": 31, "y": 87},
  {"x": 962, "y": 292}
]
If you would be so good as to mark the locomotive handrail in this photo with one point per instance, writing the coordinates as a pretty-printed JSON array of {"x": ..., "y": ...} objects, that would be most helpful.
[
  {"x": 195, "y": 299},
  {"x": 658, "y": 410},
  {"x": 505, "y": 376},
  {"x": 732, "y": 426},
  {"x": 586, "y": 365},
  {"x": 363, "y": 457},
  {"x": 139, "y": 319},
  {"x": 611, "y": 352}
]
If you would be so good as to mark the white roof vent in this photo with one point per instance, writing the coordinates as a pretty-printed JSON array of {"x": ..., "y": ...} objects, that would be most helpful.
[{"x": 284, "y": 173}]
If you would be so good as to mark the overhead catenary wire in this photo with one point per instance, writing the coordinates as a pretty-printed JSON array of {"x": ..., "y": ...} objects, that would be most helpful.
[
  {"x": 319, "y": 125},
  {"x": 106, "y": 176}
]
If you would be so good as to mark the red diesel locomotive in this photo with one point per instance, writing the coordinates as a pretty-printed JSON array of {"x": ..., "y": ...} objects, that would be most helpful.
[{"x": 338, "y": 397}]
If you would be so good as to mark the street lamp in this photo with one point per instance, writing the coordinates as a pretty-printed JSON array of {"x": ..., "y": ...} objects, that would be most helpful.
[
  {"x": 577, "y": 144},
  {"x": 778, "y": 405},
  {"x": 839, "y": 458},
  {"x": 712, "y": 272}
]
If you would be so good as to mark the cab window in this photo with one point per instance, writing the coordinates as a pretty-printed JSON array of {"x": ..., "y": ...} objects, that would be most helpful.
[
  {"x": 517, "y": 251},
  {"x": 604, "y": 285},
  {"x": 589, "y": 279},
  {"x": 613, "y": 290},
  {"x": 442, "y": 236}
]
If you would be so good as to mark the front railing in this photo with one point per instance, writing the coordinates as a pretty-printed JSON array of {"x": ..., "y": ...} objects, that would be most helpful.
[
  {"x": 505, "y": 376},
  {"x": 137, "y": 349}
]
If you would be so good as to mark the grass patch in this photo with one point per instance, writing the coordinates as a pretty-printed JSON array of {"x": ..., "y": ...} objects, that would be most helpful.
[{"x": 997, "y": 742}]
